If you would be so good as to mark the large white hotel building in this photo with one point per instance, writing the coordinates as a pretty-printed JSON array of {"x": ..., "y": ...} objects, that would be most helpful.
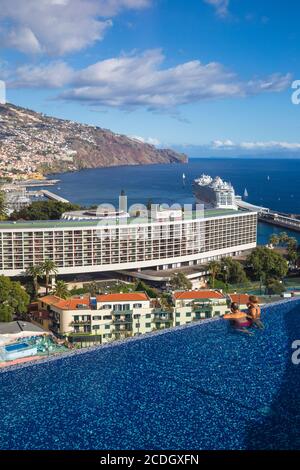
[{"x": 88, "y": 246}]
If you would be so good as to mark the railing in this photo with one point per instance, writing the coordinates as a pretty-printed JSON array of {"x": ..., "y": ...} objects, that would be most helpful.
[
  {"x": 118, "y": 321},
  {"x": 162, "y": 318}
]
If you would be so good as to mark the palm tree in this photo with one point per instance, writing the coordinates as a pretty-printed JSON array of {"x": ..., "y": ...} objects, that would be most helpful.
[
  {"x": 49, "y": 267},
  {"x": 283, "y": 238},
  {"x": 274, "y": 240},
  {"x": 35, "y": 272},
  {"x": 214, "y": 268},
  {"x": 61, "y": 290},
  {"x": 179, "y": 281}
]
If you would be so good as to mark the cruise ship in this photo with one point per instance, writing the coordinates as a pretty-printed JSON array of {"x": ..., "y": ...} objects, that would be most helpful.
[{"x": 214, "y": 193}]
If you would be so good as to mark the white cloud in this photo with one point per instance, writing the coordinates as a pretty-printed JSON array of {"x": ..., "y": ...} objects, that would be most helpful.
[
  {"x": 54, "y": 75},
  {"x": 263, "y": 146},
  {"x": 58, "y": 26},
  {"x": 221, "y": 6},
  {"x": 141, "y": 80},
  {"x": 148, "y": 140}
]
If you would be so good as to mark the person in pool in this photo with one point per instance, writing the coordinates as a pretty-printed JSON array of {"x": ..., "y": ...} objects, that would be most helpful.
[
  {"x": 254, "y": 312},
  {"x": 238, "y": 320}
]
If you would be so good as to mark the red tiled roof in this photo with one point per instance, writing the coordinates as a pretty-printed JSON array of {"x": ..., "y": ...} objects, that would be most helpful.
[
  {"x": 69, "y": 304},
  {"x": 50, "y": 299},
  {"x": 126, "y": 297},
  {"x": 72, "y": 304},
  {"x": 201, "y": 294}
]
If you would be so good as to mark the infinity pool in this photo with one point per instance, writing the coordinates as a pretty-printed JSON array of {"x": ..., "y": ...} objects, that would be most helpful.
[{"x": 195, "y": 387}]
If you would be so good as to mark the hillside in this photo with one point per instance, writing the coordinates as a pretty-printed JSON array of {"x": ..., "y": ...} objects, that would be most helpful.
[{"x": 32, "y": 142}]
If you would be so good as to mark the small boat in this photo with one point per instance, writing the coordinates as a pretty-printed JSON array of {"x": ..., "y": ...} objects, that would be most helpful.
[
  {"x": 246, "y": 193},
  {"x": 268, "y": 178},
  {"x": 183, "y": 178}
]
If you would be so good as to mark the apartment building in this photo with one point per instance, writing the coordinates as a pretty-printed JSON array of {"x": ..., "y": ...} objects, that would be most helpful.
[
  {"x": 198, "y": 305},
  {"x": 104, "y": 318}
]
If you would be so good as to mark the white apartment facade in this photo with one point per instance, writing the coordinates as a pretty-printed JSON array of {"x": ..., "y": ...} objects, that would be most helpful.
[
  {"x": 198, "y": 305},
  {"x": 108, "y": 316}
]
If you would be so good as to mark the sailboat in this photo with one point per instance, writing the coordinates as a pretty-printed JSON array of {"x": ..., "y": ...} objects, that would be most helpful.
[
  {"x": 246, "y": 193},
  {"x": 183, "y": 178}
]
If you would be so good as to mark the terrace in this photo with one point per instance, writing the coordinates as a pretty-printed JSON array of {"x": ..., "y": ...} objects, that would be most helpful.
[{"x": 199, "y": 386}]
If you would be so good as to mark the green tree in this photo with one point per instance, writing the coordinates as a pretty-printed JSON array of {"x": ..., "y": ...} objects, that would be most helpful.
[
  {"x": 61, "y": 290},
  {"x": 274, "y": 240},
  {"x": 143, "y": 287},
  {"x": 274, "y": 287},
  {"x": 48, "y": 267},
  {"x": 283, "y": 238},
  {"x": 93, "y": 288},
  {"x": 267, "y": 264},
  {"x": 35, "y": 272},
  {"x": 292, "y": 250},
  {"x": 3, "y": 206},
  {"x": 166, "y": 302},
  {"x": 179, "y": 281},
  {"x": 13, "y": 299},
  {"x": 214, "y": 267},
  {"x": 233, "y": 271},
  {"x": 44, "y": 210}
]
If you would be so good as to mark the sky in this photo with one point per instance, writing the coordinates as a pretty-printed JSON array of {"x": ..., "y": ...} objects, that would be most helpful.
[{"x": 208, "y": 77}]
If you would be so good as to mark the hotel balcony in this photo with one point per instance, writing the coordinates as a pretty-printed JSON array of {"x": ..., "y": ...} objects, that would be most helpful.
[
  {"x": 121, "y": 319},
  {"x": 121, "y": 334},
  {"x": 163, "y": 317},
  {"x": 80, "y": 322}
]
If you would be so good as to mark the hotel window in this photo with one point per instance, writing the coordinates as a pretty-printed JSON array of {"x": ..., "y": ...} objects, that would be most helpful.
[
  {"x": 137, "y": 305},
  {"x": 97, "y": 318},
  {"x": 148, "y": 325}
]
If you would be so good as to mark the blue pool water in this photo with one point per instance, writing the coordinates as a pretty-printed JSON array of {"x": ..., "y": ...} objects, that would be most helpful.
[
  {"x": 195, "y": 387},
  {"x": 16, "y": 347}
]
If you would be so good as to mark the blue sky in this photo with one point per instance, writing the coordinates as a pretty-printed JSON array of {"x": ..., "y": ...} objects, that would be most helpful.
[{"x": 211, "y": 77}]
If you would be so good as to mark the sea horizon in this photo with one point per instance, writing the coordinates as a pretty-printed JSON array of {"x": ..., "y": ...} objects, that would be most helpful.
[{"x": 274, "y": 186}]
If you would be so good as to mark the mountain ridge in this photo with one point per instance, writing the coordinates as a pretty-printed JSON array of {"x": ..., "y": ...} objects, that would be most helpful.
[{"x": 34, "y": 142}]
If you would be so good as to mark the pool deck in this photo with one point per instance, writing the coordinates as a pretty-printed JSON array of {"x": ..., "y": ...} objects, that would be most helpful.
[{"x": 23, "y": 360}]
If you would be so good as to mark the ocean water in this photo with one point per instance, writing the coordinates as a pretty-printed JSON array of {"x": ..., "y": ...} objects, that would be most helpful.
[
  {"x": 201, "y": 386},
  {"x": 270, "y": 183}
]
